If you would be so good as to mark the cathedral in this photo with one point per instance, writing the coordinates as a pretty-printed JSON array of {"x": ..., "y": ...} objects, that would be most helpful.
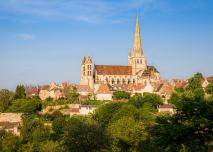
[{"x": 137, "y": 71}]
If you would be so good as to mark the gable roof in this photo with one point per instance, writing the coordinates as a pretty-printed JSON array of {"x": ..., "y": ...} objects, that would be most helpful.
[
  {"x": 210, "y": 79},
  {"x": 113, "y": 70},
  {"x": 103, "y": 89},
  {"x": 83, "y": 88}
]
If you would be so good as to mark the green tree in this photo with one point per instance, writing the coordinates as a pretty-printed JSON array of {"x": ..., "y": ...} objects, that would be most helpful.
[
  {"x": 127, "y": 134},
  {"x": 73, "y": 96},
  {"x": 27, "y": 106},
  {"x": 84, "y": 135},
  {"x": 105, "y": 112},
  {"x": 20, "y": 92},
  {"x": 209, "y": 88},
  {"x": 10, "y": 143},
  {"x": 121, "y": 95},
  {"x": 51, "y": 146},
  {"x": 191, "y": 126},
  {"x": 195, "y": 86},
  {"x": 138, "y": 100},
  {"x": 6, "y": 97}
]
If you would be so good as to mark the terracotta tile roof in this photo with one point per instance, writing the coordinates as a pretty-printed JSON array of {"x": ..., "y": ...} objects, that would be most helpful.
[
  {"x": 32, "y": 91},
  {"x": 113, "y": 70},
  {"x": 9, "y": 125},
  {"x": 74, "y": 110},
  {"x": 138, "y": 87},
  {"x": 166, "y": 106},
  {"x": 83, "y": 88},
  {"x": 103, "y": 89},
  {"x": 166, "y": 89},
  {"x": 209, "y": 79}
]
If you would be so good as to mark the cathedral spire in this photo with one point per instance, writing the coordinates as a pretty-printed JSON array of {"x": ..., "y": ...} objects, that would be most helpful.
[{"x": 137, "y": 48}]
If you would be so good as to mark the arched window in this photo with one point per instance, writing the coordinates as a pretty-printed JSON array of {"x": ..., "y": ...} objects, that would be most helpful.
[
  {"x": 123, "y": 81},
  {"x": 140, "y": 61},
  {"x": 113, "y": 81},
  {"x": 107, "y": 80},
  {"x": 128, "y": 81},
  {"x": 133, "y": 81},
  {"x": 118, "y": 81}
]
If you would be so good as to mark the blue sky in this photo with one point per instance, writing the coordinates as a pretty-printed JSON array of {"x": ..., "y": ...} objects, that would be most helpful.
[{"x": 44, "y": 40}]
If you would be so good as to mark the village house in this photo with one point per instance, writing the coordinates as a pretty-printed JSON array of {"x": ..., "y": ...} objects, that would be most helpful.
[
  {"x": 103, "y": 92},
  {"x": 164, "y": 89},
  {"x": 167, "y": 109},
  {"x": 11, "y": 122},
  {"x": 31, "y": 91},
  {"x": 53, "y": 90}
]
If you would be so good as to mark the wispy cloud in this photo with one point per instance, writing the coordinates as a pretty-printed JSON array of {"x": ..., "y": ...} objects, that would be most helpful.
[
  {"x": 92, "y": 11},
  {"x": 25, "y": 36}
]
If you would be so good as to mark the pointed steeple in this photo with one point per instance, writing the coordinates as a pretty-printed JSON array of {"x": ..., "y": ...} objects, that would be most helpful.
[
  {"x": 84, "y": 60},
  {"x": 137, "y": 47}
]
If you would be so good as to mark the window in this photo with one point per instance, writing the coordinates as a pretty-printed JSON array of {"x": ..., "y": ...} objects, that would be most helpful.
[
  {"x": 113, "y": 81},
  {"x": 118, "y": 81}
]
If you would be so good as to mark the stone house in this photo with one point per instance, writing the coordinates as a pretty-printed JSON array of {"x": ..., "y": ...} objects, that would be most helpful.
[
  {"x": 11, "y": 122},
  {"x": 53, "y": 90}
]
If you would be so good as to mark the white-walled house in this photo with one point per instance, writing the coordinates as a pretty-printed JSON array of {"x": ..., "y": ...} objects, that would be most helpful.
[{"x": 103, "y": 92}]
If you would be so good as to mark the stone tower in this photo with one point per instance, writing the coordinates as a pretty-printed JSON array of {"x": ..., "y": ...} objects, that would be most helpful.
[
  {"x": 136, "y": 59},
  {"x": 86, "y": 72}
]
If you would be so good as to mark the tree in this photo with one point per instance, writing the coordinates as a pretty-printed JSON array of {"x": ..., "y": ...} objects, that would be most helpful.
[
  {"x": 9, "y": 142},
  {"x": 127, "y": 134},
  {"x": 121, "y": 95},
  {"x": 51, "y": 146},
  {"x": 73, "y": 96},
  {"x": 190, "y": 128},
  {"x": 27, "y": 106},
  {"x": 195, "y": 86},
  {"x": 138, "y": 100},
  {"x": 20, "y": 92},
  {"x": 84, "y": 135},
  {"x": 105, "y": 113},
  {"x": 209, "y": 88},
  {"x": 6, "y": 97},
  {"x": 58, "y": 126}
]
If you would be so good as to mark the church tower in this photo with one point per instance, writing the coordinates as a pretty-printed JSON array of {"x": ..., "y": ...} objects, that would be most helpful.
[
  {"x": 86, "y": 72},
  {"x": 137, "y": 59}
]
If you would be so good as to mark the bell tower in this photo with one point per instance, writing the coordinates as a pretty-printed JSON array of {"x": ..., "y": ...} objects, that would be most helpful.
[
  {"x": 86, "y": 72},
  {"x": 137, "y": 59}
]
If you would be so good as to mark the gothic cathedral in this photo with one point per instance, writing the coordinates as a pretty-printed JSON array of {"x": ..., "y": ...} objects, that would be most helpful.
[{"x": 137, "y": 70}]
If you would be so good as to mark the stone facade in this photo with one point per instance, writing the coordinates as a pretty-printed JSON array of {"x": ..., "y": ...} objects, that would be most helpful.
[{"x": 137, "y": 70}]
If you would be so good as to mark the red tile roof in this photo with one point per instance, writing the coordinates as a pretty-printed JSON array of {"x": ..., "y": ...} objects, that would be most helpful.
[
  {"x": 113, "y": 70},
  {"x": 83, "y": 88},
  {"x": 166, "y": 106},
  {"x": 209, "y": 79},
  {"x": 103, "y": 89},
  {"x": 74, "y": 110}
]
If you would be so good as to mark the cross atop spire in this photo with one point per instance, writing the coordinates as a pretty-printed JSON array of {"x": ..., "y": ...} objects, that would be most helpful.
[{"x": 137, "y": 47}]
